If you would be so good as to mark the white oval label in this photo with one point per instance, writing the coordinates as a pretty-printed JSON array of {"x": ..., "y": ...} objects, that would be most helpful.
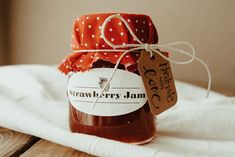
[{"x": 124, "y": 94}]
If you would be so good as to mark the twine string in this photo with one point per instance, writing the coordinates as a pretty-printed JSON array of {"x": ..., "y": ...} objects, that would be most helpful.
[{"x": 151, "y": 48}]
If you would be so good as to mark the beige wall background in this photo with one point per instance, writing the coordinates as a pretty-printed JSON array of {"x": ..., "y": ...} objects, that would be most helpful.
[
  {"x": 3, "y": 35},
  {"x": 40, "y": 31}
]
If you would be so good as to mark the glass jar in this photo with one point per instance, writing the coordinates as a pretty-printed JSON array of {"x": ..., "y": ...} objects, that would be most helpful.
[{"x": 136, "y": 126}]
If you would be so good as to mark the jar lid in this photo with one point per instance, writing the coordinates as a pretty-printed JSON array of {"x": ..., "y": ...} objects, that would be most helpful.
[{"x": 87, "y": 36}]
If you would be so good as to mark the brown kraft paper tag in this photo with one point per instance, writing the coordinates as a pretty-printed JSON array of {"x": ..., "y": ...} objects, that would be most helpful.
[{"x": 158, "y": 81}]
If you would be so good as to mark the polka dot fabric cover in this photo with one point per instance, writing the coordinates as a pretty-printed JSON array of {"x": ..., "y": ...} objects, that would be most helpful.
[{"x": 87, "y": 36}]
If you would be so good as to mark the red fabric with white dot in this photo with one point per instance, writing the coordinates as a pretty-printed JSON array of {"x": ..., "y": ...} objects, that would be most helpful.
[{"x": 87, "y": 36}]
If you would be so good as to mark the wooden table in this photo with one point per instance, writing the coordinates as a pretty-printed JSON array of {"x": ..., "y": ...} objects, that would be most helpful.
[{"x": 16, "y": 144}]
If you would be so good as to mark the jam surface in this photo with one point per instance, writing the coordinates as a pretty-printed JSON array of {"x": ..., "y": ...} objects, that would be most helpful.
[{"x": 135, "y": 127}]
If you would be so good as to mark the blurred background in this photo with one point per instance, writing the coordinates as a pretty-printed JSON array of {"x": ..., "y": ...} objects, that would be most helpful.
[{"x": 39, "y": 32}]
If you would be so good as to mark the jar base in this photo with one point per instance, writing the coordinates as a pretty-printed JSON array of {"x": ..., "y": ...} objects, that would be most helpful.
[
  {"x": 138, "y": 127},
  {"x": 142, "y": 142}
]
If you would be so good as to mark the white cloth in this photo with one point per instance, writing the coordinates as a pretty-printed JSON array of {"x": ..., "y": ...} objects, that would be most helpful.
[{"x": 33, "y": 101}]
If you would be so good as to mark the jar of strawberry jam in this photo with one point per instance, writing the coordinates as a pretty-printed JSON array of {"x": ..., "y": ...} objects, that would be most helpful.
[{"x": 122, "y": 112}]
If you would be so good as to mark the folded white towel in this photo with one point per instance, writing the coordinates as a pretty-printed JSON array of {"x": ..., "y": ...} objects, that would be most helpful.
[{"x": 33, "y": 101}]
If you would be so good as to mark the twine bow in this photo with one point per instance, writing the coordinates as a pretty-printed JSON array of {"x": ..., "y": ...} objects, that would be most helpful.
[{"x": 152, "y": 48}]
